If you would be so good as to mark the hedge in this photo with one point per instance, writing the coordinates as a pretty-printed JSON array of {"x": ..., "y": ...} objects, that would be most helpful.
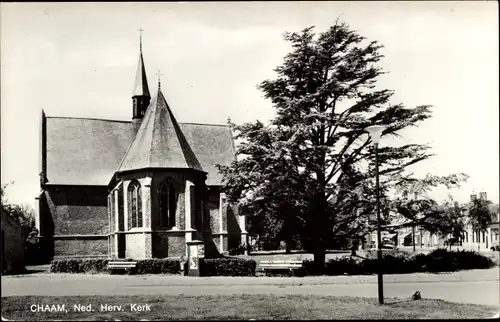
[
  {"x": 227, "y": 266},
  {"x": 93, "y": 266},
  {"x": 158, "y": 266},
  {"x": 224, "y": 266},
  {"x": 75, "y": 265},
  {"x": 439, "y": 260}
]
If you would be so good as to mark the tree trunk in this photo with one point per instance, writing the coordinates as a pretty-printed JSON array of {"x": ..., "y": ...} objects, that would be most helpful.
[
  {"x": 413, "y": 236},
  {"x": 421, "y": 238},
  {"x": 288, "y": 245},
  {"x": 319, "y": 259}
]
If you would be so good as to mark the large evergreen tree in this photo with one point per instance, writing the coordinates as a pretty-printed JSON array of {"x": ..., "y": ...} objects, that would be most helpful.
[{"x": 313, "y": 165}]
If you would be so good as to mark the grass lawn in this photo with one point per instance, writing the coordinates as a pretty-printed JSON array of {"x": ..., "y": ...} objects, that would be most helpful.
[{"x": 263, "y": 306}]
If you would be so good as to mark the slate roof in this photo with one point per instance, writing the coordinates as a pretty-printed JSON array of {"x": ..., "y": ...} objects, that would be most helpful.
[
  {"x": 159, "y": 142},
  {"x": 141, "y": 81},
  {"x": 84, "y": 151}
]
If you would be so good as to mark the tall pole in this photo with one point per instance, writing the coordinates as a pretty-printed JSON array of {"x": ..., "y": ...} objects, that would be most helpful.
[
  {"x": 379, "y": 238},
  {"x": 413, "y": 227},
  {"x": 413, "y": 236}
]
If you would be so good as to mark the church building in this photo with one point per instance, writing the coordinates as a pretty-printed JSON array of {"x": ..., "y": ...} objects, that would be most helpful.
[{"x": 134, "y": 189}]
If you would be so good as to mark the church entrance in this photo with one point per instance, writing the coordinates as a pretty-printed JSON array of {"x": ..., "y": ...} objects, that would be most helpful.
[{"x": 121, "y": 245}]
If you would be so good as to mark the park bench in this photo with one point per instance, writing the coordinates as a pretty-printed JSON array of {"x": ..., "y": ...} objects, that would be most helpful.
[
  {"x": 121, "y": 265},
  {"x": 290, "y": 266}
]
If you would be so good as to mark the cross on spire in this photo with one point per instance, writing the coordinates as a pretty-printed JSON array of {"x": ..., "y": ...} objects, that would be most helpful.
[
  {"x": 159, "y": 74},
  {"x": 140, "y": 38}
]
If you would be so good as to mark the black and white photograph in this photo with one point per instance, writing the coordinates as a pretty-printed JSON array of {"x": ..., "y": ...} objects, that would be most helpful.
[{"x": 245, "y": 160}]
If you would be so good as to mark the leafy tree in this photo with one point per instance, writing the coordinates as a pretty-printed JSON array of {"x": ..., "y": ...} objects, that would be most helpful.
[
  {"x": 451, "y": 221},
  {"x": 24, "y": 214},
  {"x": 413, "y": 202},
  {"x": 3, "y": 193},
  {"x": 480, "y": 214},
  {"x": 313, "y": 159}
]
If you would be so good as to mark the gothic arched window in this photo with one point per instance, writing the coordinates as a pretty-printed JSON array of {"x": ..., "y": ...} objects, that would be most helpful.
[
  {"x": 134, "y": 205},
  {"x": 168, "y": 203}
]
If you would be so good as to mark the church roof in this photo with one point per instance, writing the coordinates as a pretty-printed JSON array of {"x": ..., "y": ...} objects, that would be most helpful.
[
  {"x": 159, "y": 142},
  {"x": 141, "y": 81},
  {"x": 84, "y": 151}
]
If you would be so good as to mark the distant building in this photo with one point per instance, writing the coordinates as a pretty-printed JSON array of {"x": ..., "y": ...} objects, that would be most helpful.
[
  {"x": 12, "y": 240},
  {"x": 473, "y": 240},
  {"x": 483, "y": 240}
]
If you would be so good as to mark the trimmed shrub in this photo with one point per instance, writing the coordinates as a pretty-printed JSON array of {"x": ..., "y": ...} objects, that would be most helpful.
[
  {"x": 342, "y": 266},
  {"x": 420, "y": 263},
  {"x": 93, "y": 266},
  {"x": 158, "y": 266},
  {"x": 442, "y": 260},
  {"x": 227, "y": 266},
  {"x": 79, "y": 266},
  {"x": 439, "y": 260},
  {"x": 308, "y": 267}
]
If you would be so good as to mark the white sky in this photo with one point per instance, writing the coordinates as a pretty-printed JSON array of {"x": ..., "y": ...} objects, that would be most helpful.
[{"x": 79, "y": 59}]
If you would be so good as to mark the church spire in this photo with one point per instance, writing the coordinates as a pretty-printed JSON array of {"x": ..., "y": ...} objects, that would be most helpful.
[
  {"x": 140, "y": 95},
  {"x": 159, "y": 74},
  {"x": 159, "y": 142},
  {"x": 140, "y": 38}
]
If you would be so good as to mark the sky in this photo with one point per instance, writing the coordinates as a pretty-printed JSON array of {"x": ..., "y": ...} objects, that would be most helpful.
[{"x": 80, "y": 59}]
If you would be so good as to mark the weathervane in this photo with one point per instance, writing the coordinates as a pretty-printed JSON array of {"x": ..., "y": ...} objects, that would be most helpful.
[
  {"x": 159, "y": 74},
  {"x": 140, "y": 37}
]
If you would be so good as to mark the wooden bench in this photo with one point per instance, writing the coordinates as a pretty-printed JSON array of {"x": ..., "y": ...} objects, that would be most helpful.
[
  {"x": 126, "y": 266},
  {"x": 291, "y": 266}
]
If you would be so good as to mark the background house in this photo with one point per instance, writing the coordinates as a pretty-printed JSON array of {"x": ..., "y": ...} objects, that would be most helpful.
[
  {"x": 473, "y": 240},
  {"x": 477, "y": 240}
]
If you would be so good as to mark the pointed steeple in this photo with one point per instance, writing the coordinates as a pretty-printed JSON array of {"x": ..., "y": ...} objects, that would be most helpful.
[
  {"x": 141, "y": 87},
  {"x": 159, "y": 142},
  {"x": 140, "y": 94}
]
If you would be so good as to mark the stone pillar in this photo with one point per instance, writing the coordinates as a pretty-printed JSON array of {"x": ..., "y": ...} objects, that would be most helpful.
[
  {"x": 148, "y": 245},
  {"x": 37, "y": 213},
  {"x": 146, "y": 203},
  {"x": 222, "y": 201},
  {"x": 188, "y": 213},
  {"x": 200, "y": 204},
  {"x": 147, "y": 216},
  {"x": 125, "y": 205},
  {"x": 115, "y": 201}
]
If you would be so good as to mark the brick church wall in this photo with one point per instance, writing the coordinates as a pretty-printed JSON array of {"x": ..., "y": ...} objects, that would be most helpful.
[
  {"x": 67, "y": 212},
  {"x": 160, "y": 242},
  {"x": 169, "y": 244},
  {"x": 211, "y": 206},
  {"x": 81, "y": 247},
  {"x": 232, "y": 227}
]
